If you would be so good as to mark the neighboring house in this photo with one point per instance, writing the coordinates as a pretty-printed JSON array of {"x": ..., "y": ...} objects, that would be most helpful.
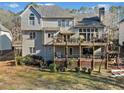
[
  {"x": 46, "y": 30},
  {"x": 5, "y": 39},
  {"x": 121, "y": 32}
]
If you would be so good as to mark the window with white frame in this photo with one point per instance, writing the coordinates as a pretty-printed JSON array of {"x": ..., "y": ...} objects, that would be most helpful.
[
  {"x": 63, "y": 23},
  {"x": 32, "y": 35},
  {"x": 67, "y": 23},
  {"x": 32, "y": 50},
  {"x": 88, "y": 33},
  {"x": 32, "y": 19}
]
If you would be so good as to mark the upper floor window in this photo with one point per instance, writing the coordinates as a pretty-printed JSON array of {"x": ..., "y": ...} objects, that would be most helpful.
[
  {"x": 67, "y": 23},
  {"x": 32, "y": 35},
  {"x": 63, "y": 23},
  {"x": 32, "y": 19}
]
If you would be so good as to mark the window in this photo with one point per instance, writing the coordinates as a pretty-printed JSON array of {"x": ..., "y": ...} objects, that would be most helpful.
[
  {"x": 70, "y": 51},
  {"x": 32, "y": 35},
  {"x": 50, "y": 35},
  {"x": 96, "y": 30},
  {"x": 59, "y": 23},
  {"x": 32, "y": 19},
  {"x": 92, "y": 30},
  {"x": 80, "y": 30},
  {"x": 63, "y": 23},
  {"x": 84, "y": 30},
  {"x": 88, "y": 30},
  {"x": 32, "y": 50},
  {"x": 67, "y": 23}
]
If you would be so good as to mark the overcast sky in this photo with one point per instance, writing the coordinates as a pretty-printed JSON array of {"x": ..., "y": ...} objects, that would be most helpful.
[{"x": 18, "y": 6}]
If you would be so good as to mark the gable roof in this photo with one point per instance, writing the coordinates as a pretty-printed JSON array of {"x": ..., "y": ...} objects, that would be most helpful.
[{"x": 52, "y": 11}]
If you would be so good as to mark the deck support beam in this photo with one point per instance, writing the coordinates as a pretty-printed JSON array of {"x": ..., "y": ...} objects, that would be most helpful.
[
  {"x": 80, "y": 54},
  {"x": 66, "y": 52},
  {"x": 92, "y": 62},
  {"x": 54, "y": 54},
  {"x": 107, "y": 58}
]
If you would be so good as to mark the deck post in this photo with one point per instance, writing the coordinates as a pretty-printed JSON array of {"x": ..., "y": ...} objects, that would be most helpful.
[
  {"x": 66, "y": 52},
  {"x": 92, "y": 62},
  {"x": 54, "y": 50},
  {"x": 107, "y": 56},
  {"x": 118, "y": 57},
  {"x": 80, "y": 52}
]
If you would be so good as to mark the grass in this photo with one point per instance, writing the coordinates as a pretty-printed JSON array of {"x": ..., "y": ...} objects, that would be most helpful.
[{"x": 23, "y": 77}]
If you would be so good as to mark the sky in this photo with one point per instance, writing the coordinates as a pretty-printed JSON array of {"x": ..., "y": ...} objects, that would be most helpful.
[{"x": 19, "y": 6}]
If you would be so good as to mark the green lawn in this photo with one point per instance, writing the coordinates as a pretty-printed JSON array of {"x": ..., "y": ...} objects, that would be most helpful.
[{"x": 23, "y": 77}]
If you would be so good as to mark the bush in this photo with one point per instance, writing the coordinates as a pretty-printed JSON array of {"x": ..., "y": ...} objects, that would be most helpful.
[
  {"x": 58, "y": 68},
  {"x": 89, "y": 70},
  {"x": 77, "y": 69},
  {"x": 34, "y": 60},
  {"x": 84, "y": 69},
  {"x": 53, "y": 67},
  {"x": 20, "y": 60},
  {"x": 27, "y": 59},
  {"x": 61, "y": 68},
  {"x": 64, "y": 69},
  {"x": 70, "y": 62}
]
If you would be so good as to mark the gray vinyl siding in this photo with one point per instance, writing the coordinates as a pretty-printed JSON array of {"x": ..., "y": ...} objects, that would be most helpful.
[
  {"x": 25, "y": 20},
  {"x": 27, "y": 42},
  {"x": 54, "y": 22}
]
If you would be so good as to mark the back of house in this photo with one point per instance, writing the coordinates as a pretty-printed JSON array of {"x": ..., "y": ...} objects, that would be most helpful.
[{"x": 41, "y": 24}]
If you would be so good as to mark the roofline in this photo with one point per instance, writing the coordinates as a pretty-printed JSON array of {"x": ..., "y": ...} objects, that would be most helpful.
[
  {"x": 43, "y": 16},
  {"x": 28, "y": 8},
  {"x": 59, "y": 17},
  {"x": 89, "y": 26}
]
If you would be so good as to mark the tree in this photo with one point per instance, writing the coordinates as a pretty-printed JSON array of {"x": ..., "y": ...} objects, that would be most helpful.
[
  {"x": 83, "y": 9},
  {"x": 113, "y": 9}
]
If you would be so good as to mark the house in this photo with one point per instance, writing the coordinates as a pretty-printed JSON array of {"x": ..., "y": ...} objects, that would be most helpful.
[
  {"x": 5, "y": 39},
  {"x": 53, "y": 33},
  {"x": 121, "y": 32}
]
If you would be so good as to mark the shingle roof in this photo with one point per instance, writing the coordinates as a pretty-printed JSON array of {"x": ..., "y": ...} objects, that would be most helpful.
[
  {"x": 52, "y": 11},
  {"x": 90, "y": 22}
]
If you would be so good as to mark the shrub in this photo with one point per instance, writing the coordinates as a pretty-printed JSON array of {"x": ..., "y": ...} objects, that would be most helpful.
[
  {"x": 61, "y": 68},
  {"x": 53, "y": 67},
  {"x": 84, "y": 69},
  {"x": 64, "y": 69},
  {"x": 34, "y": 60},
  {"x": 27, "y": 59},
  {"x": 58, "y": 68},
  {"x": 77, "y": 69},
  {"x": 89, "y": 70},
  {"x": 20, "y": 60},
  {"x": 70, "y": 62}
]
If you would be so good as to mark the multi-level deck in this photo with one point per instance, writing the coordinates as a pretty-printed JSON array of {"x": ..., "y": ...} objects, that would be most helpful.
[{"x": 78, "y": 46}]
